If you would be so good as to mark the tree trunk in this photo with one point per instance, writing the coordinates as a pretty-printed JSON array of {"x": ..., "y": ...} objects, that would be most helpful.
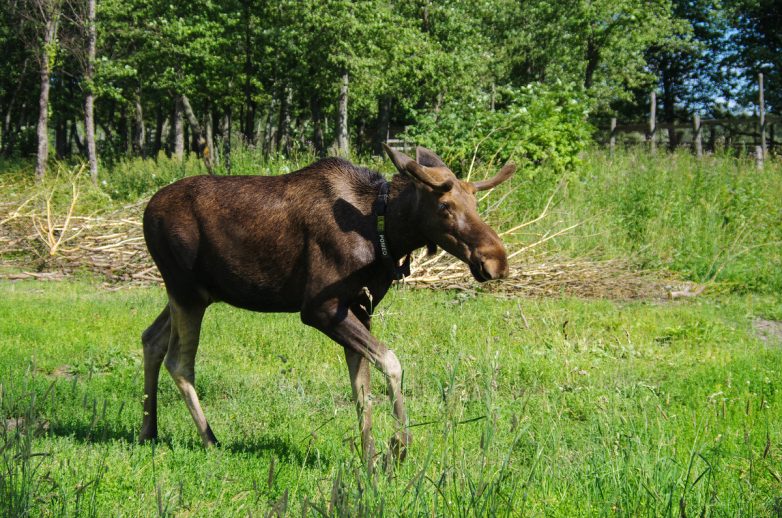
[
  {"x": 269, "y": 135},
  {"x": 7, "y": 129},
  {"x": 669, "y": 105},
  {"x": 247, "y": 122},
  {"x": 43, "y": 101},
  {"x": 14, "y": 128},
  {"x": 343, "y": 143},
  {"x": 123, "y": 130},
  {"x": 60, "y": 138},
  {"x": 317, "y": 126},
  {"x": 592, "y": 60},
  {"x": 383, "y": 120},
  {"x": 141, "y": 130},
  {"x": 284, "y": 124},
  {"x": 160, "y": 120},
  {"x": 89, "y": 101},
  {"x": 210, "y": 143},
  {"x": 178, "y": 129},
  {"x": 226, "y": 131},
  {"x": 8, "y": 134},
  {"x": 198, "y": 133},
  {"x": 75, "y": 136}
]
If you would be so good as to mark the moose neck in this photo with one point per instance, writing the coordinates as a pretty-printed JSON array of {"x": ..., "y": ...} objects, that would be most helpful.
[{"x": 403, "y": 232}]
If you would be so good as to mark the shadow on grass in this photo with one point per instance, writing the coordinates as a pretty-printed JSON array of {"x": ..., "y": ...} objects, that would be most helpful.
[
  {"x": 278, "y": 447},
  {"x": 281, "y": 448},
  {"x": 85, "y": 433}
]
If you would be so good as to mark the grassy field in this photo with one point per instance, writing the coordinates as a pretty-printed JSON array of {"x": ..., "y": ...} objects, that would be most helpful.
[
  {"x": 520, "y": 406},
  {"x": 558, "y": 407}
]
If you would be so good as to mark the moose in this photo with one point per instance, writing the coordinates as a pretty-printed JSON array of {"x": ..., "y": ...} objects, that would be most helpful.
[{"x": 326, "y": 241}]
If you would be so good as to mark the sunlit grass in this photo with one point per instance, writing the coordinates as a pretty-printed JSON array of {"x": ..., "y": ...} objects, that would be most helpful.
[{"x": 591, "y": 407}]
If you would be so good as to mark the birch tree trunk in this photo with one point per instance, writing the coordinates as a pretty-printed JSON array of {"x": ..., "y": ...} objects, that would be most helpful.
[
  {"x": 179, "y": 129},
  {"x": 317, "y": 126},
  {"x": 283, "y": 128},
  {"x": 89, "y": 99},
  {"x": 226, "y": 132},
  {"x": 343, "y": 143},
  {"x": 210, "y": 142},
  {"x": 141, "y": 130},
  {"x": 50, "y": 33},
  {"x": 198, "y": 133}
]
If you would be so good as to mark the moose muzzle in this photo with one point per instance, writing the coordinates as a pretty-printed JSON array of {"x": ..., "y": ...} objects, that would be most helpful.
[{"x": 489, "y": 263}]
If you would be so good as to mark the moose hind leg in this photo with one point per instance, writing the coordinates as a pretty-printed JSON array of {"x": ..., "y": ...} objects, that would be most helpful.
[
  {"x": 180, "y": 362},
  {"x": 155, "y": 341}
]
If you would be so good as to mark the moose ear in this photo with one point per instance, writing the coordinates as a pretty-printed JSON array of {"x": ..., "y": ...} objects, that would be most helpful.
[
  {"x": 399, "y": 159},
  {"x": 428, "y": 158}
]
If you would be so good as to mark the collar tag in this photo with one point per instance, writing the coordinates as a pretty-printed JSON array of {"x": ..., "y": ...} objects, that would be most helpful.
[{"x": 395, "y": 271}]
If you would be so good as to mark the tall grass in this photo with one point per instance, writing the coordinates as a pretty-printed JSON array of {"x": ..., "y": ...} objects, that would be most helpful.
[
  {"x": 32, "y": 480},
  {"x": 718, "y": 218}
]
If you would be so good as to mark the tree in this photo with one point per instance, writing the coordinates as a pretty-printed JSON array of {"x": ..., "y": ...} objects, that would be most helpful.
[
  {"x": 89, "y": 101},
  {"x": 757, "y": 47},
  {"x": 42, "y": 18}
]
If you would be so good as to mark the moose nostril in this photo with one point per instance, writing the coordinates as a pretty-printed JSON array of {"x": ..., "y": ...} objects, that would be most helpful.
[{"x": 495, "y": 268}]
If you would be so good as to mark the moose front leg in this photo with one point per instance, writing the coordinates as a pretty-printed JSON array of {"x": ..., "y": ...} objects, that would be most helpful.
[
  {"x": 358, "y": 367},
  {"x": 344, "y": 327}
]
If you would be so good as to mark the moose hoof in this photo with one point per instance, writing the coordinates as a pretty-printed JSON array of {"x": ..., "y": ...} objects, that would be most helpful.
[
  {"x": 147, "y": 436},
  {"x": 397, "y": 447}
]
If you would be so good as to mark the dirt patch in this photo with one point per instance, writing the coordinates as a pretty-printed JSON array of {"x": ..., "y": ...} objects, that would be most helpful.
[
  {"x": 63, "y": 371},
  {"x": 770, "y": 331}
]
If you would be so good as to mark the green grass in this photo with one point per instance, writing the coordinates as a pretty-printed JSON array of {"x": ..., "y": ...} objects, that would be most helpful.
[{"x": 595, "y": 408}]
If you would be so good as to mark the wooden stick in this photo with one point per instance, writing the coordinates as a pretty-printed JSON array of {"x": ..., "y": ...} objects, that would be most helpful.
[
  {"x": 696, "y": 135},
  {"x": 762, "y": 114},
  {"x": 653, "y": 123}
]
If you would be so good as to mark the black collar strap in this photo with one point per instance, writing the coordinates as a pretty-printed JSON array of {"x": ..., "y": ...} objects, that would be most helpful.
[{"x": 396, "y": 271}]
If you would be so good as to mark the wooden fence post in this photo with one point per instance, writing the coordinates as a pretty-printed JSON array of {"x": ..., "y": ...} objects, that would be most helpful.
[
  {"x": 762, "y": 113},
  {"x": 653, "y": 123},
  {"x": 759, "y": 157},
  {"x": 696, "y": 135},
  {"x": 612, "y": 139}
]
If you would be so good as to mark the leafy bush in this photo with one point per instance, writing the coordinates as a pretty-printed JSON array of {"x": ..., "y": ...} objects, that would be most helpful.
[
  {"x": 136, "y": 178},
  {"x": 537, "y": 124}
]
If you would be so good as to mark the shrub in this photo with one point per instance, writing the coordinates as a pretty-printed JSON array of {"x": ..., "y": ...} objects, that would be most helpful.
[{"x": 542, "y": 126}]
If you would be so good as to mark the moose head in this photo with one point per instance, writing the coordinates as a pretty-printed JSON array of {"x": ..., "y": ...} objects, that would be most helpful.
[{"x": 448, "y": 215}]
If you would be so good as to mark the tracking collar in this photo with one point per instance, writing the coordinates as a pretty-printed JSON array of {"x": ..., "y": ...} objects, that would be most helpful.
[{"x": 396, "y": 272}]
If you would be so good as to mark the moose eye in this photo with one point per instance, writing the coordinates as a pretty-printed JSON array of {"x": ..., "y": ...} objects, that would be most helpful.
[{"x": 443, "y": 206}]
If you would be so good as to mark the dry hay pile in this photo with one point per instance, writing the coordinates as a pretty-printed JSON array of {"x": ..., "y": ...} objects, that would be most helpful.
[
  {"x": 46, "y": 245},
  {"x": 543, "y": 275},
  {"x": 49, "y": 245}
]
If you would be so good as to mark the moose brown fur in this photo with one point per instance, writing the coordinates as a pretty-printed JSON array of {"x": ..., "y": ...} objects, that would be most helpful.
[{"x": 304, "y": 242}]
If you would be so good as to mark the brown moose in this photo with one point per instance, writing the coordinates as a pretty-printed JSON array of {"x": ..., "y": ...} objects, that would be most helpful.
[{"x": 326, "y": 241}]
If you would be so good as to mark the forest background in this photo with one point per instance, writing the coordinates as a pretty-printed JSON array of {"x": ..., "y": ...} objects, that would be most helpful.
[{"x": 108, "y": 80}]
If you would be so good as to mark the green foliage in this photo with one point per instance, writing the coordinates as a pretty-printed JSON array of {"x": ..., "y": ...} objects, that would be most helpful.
[
  {"x": 135, "y": 178},
  {"x": 755, "y": 46},
  {"x": 538, "y": 125}
]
